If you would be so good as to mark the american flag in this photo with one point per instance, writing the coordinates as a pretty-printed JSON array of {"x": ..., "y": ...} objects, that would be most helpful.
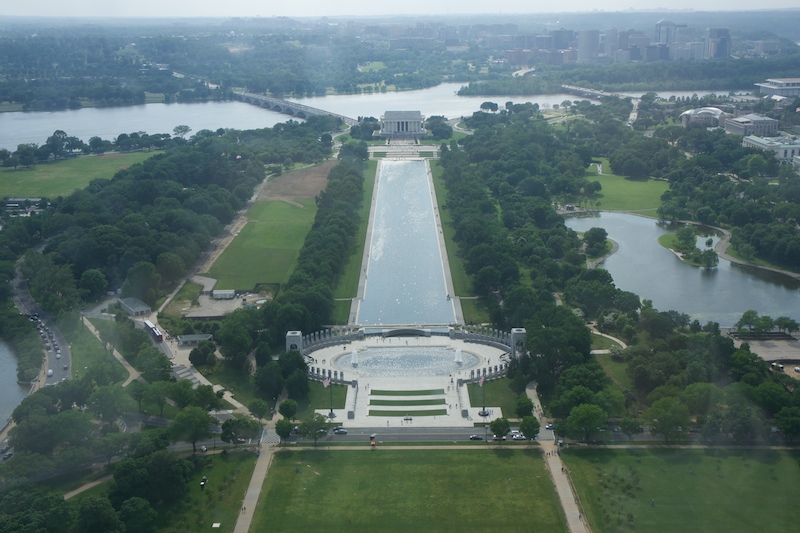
[
  {"x": 326, "y": 382},
  {"x": 481, "y": 381}
]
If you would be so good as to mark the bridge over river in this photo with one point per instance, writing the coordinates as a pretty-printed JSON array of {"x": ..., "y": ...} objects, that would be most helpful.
[
  {"x": 589, "y": 93},
  {"x": 287, "y": 107}
]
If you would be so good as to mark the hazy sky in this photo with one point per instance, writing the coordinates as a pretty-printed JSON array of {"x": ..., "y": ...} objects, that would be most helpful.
[{"x": 312, "y": 8}]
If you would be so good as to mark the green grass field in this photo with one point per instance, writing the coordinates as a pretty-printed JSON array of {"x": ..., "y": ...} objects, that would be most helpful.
[
  {"x": 692, "y": 490},
  {"x": 408, "y": 412},
  {"x": 60, "y": 178},
  {"x": 86, "y": 349},
  {"x": 320, "y": 398},
  {"x": 266, "y": 250},
  {"x": 220, "y": 501},
  {"x": 373, "y": 66},
  {"x": 408, "y": 490},
  {"x": 616, "y": 371},
  {"x": 183, "y": 300},
  {"x": 498, "y": 394},
  {"x": 626, "y": 194},
  {"x": 400, "y": 403},
  {"x": 427, "y": 392}
]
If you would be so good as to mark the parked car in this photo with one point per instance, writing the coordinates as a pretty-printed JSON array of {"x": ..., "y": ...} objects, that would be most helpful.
[
  {"x": 49, "y": 372},
  {"x": 550, "y": 426},
  {"x": 495, "y": 437},
  {"x": 518, "y": 436},
  {"x": 475, "y": 437},
  {"x": 339, "y": 430}
]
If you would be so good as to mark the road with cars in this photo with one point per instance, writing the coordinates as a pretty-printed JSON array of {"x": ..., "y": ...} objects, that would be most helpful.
[{"x": 58, "y": 355}]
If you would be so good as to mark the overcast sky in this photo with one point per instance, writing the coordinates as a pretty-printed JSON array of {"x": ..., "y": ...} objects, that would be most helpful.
[{"x": 313, "y": 8}]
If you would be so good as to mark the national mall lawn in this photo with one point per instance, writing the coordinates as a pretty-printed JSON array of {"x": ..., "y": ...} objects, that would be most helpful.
[
  {"x": 409, "y": 490},
  {"x": 731, "y": 490},
  {"x": 61, "y": 178}
]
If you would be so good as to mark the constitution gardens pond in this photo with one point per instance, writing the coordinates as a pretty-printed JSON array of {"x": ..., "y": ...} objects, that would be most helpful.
[{"x": 722, "y": 294}]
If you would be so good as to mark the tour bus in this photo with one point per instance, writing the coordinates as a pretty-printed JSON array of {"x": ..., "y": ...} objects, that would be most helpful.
[{"x": 153, "y": 330}]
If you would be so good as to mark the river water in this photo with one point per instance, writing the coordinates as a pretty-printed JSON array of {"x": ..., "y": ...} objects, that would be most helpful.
[
  {"x": 11, "y": 393},
  {"x": 721, "y": 294},
  {"x": 405, "y": 281},
  {"x": 439, "y": 100},
  {"x": 108, "y": 122}
]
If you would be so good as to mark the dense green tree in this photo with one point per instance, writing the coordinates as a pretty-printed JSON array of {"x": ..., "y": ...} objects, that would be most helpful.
[
  {"x": 788, "y": 421},
  {"x": 236, "y": 430},
  {"x": 269, "y": 380},
  {"x": 138, "y": 516},
  {"x": 313, "y": 427},
  {"x": 109, "y": 402},
  {"x": 288, "y": 408},
  {"x": 192, "y": 425},
  {"x": 630, "y": 426},
  {"x": 668, "y": 417},
  {"x": 524, "y": 407},
  {"x": 583, "y": 421},
  {"x": 111, "y": 445},
  {"x": 96, "y": 515},
  {"x": 259, "y": 408},
  {"x": 283, "y": 428},
  {"x": 530, "y": 427},
  {"x": 499, "y": 427},
  {"x": 25, "y": 508}
]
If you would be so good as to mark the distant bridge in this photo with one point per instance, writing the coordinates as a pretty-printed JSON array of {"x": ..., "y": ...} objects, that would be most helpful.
[
  {"x": 288, "y": 108},
  {"x": 589, "y": 93}
]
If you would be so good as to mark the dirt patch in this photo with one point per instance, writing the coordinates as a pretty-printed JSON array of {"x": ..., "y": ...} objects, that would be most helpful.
[{"x": 303, "y": 184}]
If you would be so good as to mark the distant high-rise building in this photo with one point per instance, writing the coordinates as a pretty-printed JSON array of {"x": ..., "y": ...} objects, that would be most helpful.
[
  {"x": 718, "y": 43},
  {"x": 666, "y": 31},
  {"x": 562, "y": 39},
  {"x": 611, "y": 42},
  {"x": 588, "y": 44}
]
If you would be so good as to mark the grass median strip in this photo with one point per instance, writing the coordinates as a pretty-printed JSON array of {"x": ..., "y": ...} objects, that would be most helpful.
[
  {"x": 417, "y": 412},
  {"x": 389, "y": 403},
  {"x": 430, "y": 392}
]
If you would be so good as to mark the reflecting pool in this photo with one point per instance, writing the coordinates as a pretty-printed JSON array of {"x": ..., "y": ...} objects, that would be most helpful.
[{"x": 405, "y": 279}]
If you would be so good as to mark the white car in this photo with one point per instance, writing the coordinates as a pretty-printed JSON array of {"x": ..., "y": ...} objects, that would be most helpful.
[
  {"x": 550, "y": 426},
  {"x": 518, "y": 436}
]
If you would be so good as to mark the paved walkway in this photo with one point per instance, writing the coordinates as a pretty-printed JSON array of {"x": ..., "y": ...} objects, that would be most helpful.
[
  {"x": 559, "y": 473},
  {"x": 132, "y": 372},
  {"x": 254, "y": 489},
  {"x": 88, "y": 486}
]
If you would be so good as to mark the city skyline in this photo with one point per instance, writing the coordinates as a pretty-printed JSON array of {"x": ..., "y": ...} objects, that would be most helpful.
[{"x": 353, "y": 8}]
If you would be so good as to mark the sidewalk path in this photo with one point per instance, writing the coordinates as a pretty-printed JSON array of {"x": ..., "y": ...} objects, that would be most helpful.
[
  {"x": 132, "y": 372},
  {"x": 559, "y": 473},
  {"x": 254, "y": 489},
  {"x": 88, "y": 486}
]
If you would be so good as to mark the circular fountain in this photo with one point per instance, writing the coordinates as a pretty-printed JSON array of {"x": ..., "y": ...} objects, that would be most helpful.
[{"x": 406, "y": 361}]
